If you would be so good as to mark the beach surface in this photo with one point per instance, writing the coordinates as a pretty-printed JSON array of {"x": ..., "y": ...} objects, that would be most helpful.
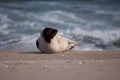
[{"x": 71, "y": 65}]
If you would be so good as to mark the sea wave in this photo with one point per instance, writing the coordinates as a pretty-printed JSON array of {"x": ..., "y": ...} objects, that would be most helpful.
[{"x": 95, "y": 26}]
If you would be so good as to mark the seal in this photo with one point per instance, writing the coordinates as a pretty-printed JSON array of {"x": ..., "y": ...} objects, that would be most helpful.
[{"x": 51, "y": 41}]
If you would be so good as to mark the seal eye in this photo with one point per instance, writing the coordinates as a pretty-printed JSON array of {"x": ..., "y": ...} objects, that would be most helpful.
[{"x": 49, "y": 33}]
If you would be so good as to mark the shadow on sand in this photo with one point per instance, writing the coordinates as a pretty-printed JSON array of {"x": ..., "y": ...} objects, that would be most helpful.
[{"x": 33, "y": 52}]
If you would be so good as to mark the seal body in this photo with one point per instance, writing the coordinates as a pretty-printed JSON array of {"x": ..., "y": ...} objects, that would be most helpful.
[{"x": 50, "y": 41}]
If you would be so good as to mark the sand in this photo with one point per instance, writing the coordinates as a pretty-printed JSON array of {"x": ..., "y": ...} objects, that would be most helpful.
[{"x": 72, "y": 65}]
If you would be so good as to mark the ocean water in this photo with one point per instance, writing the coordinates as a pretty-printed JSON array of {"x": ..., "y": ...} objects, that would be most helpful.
[{"x": 96, "y": 25}]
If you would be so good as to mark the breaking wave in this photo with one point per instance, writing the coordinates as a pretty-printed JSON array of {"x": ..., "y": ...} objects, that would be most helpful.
[{"x": 95, "y": 26}]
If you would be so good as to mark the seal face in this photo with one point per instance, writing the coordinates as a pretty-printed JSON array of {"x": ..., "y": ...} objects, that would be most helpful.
[{"x": 49, "y": 33}]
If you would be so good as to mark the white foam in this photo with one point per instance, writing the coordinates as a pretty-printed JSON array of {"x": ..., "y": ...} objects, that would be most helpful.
[
  {"x": 8, "y": 41},
  {"x": 26, "y": 23},
  {"x": 4, "y": 24},
  {"x": 105, "y": 35},
  {"x": 27, "y": 42},
  {"x": 87, "y": 47},
  {"x": 107, "y": 12},
  {"x": 61, "y": 17},
  {"x": 4, "y": 18},
  {"x": 4, "y": 30},
  {"x": 28, "y": 39}
]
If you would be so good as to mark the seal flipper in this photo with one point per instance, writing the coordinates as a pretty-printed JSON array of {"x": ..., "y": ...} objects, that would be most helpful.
[
  {"x": 37, "y": 44},
  {"x": 72, "y": 44}
]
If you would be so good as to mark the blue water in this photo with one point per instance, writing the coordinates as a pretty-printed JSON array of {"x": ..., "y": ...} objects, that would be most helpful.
[{"x": 96, "y": 25}]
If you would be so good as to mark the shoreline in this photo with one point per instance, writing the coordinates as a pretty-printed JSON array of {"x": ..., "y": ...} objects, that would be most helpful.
[{"x": 70, "y": 65}]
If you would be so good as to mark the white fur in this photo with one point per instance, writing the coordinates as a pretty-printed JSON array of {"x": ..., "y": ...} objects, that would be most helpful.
[{"x": 57, "y": 44}]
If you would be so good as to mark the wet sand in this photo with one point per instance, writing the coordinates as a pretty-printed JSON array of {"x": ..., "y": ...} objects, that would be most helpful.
[{"x": 72, "y": 65}]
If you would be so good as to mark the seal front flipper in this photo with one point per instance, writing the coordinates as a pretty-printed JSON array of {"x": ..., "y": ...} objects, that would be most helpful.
[{"x": 37, "y": 44}]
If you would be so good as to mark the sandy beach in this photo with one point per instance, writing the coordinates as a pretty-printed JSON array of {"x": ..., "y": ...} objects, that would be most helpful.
[{"x": 72, "y": 65}]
